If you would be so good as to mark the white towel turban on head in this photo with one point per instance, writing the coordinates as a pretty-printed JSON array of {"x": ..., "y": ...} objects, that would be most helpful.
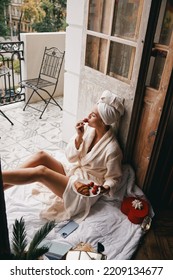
[{"x": 110, "y": 107}]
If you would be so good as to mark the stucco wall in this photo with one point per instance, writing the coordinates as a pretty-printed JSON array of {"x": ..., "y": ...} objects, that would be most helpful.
[{"x": 92, "y": 85}]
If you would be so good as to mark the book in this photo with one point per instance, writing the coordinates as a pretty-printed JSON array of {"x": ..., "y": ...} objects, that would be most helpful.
[{"x": 57, "y": 250}]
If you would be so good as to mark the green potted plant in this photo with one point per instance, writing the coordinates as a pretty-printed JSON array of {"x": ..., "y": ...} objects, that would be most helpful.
[{"x": 20, "y": 249}]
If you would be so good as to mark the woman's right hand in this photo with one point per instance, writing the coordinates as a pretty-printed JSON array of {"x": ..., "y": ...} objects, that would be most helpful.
[
  {"x": 80, "y": 132},
  {"x": 80, "y": 128}
]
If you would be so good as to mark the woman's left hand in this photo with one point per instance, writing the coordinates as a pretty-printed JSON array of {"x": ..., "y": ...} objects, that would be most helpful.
[{"x": 104, "y": 190}]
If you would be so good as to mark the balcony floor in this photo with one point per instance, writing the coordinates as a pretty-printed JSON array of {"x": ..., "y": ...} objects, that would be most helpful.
[{"x": 29, "y": 133}]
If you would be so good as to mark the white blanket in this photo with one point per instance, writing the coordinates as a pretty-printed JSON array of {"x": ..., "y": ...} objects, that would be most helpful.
[{"x": 105, "y": 223}]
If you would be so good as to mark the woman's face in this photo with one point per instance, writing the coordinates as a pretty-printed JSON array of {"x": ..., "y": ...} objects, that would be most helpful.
[{"x": 94, "y": 119}]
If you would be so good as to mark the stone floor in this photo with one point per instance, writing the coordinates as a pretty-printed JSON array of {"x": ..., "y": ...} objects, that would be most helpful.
[{"x": 29, "y": 133}]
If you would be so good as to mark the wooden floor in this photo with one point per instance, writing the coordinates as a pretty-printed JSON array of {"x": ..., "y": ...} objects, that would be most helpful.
[{"x": 157, "y": 244}]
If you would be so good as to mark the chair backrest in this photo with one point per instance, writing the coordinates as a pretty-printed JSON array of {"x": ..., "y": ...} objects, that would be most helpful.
[{"x": 51, "y": 63}]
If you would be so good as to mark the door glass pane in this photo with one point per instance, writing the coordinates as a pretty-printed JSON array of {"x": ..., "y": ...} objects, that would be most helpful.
[
  {"x": 99, "y": 15},
  {"x": 156, "y": 66},
  {"x": 167, "y": 25},
  {"x": 95, "y": 53},
  {"x": 121, "y": 59},
  {"x": 127, "y": 14}
]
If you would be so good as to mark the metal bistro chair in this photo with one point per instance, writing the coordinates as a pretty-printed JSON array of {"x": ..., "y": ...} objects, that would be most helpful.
[{"x": 48, "y": 76}]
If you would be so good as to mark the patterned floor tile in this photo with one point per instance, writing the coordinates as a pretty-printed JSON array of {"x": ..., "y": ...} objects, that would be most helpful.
[
  {"x": 5, "y": 141},
  {"x": 13, "y": 152},
  {"x": 29, "y": 134}
]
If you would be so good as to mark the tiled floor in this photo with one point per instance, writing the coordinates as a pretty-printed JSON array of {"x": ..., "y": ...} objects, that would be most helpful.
[{"x": 29, "y": 133}]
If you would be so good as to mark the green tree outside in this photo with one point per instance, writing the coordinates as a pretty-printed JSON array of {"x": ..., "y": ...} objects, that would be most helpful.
[
  {"x": 45, "y": 15},
  {"x": 4, "y": 29}
]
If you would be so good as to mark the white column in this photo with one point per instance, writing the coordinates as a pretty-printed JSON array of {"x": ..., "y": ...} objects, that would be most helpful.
[{"x": 74, "y": 32}]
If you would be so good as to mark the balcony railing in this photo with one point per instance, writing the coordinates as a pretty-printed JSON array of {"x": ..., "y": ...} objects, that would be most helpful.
[{"x": 11, "y": 55}]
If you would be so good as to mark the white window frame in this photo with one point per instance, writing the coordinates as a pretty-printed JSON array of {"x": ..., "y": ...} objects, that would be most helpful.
[{"x": 133, "y": 42}]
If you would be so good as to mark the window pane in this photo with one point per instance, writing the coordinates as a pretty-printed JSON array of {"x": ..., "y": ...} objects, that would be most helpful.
[
  {"x": 156, "y": 66},
  {"x": 99, "y": 15},
  {"x": 127, "y": 14},
  {"x": 167, "y": 26},
  {"x": 95, "y": 53},
  {"x": 121, "y": 59}
]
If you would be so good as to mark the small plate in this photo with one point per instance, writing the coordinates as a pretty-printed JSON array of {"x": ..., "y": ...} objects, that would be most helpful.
[{"x": 90, "y": 190}]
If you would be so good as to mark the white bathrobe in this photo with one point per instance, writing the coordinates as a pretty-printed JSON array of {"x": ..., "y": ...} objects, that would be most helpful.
[{"x": 101, "y": 165}]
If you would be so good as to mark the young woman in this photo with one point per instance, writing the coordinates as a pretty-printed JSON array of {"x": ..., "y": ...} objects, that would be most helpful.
[{"x": 93, "y": 154}]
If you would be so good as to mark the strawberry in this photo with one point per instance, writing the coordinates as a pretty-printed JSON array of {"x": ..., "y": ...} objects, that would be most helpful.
[
  {"x": 94, "y": 191},
  {"x": 95, "y": 187},
  {"x": 91, "y": 184}
]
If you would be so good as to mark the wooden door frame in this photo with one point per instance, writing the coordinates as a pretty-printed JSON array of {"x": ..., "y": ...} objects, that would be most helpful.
[
  {"x": 156, "y": 165},
  {"x": 140, "y": 88},
  {"x": 151, "y": 187}
]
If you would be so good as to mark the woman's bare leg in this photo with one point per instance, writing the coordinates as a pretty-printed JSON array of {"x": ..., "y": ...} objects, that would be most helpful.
[
  {"x": 40, "y": 158},
  {"x": 55, "y": 181},
  {"x": 43, "y": 158}
]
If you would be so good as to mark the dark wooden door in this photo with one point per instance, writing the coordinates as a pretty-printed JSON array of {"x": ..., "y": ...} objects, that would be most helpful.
[
  {"x": 157, "y": 82},
  {"x": 160, "y": 187}
]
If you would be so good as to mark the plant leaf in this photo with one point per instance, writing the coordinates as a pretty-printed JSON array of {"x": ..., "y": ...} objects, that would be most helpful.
[
  {"x": 39, "y": 236},
  {"x": 19, "y": 240},
  {"x": 37, "y": 253}
]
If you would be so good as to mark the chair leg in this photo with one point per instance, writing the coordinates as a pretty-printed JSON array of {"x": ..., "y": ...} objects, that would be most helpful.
[
  {"x": 44, "y": 110},
  {"x": 28, "y": 100},
  {"x": 55, "y": 102},
  {"x": 49, "y": 101},
  {"x": 46, "y": 102},
  {"x": 6, "y": 117},
  {"x": 50, "y": 97}
]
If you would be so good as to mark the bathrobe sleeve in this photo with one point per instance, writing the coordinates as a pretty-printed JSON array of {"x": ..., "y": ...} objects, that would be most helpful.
[
  {"x": 114, "y": 172},
  {"x": 73, "y": 154}
]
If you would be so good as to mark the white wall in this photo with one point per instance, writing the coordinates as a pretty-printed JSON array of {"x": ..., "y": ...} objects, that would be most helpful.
[
  {"x": 34, "y": 45},
  {"x": 74, "y": 33}
]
